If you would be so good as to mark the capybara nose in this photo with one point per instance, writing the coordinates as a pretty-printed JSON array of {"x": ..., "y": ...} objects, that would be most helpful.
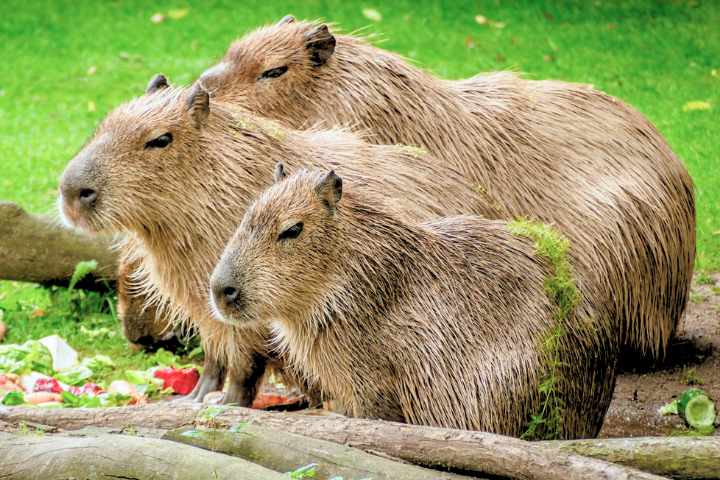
[
  {"x": 77, "y": 193},
  {"x": 230, "y": 294},
  {"x": 227, "y": 295},
  {"x": 87, "y": 197}
]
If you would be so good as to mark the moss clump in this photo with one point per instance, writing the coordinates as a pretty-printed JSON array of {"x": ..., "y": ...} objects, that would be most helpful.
[
  {"x": 258, "y": 125},
  {"x": 552, "y": 245},
  {"x": 562, "y": 292}
]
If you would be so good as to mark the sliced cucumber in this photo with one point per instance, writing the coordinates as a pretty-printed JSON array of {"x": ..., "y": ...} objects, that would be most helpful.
[{"x": 697, "y": 409}]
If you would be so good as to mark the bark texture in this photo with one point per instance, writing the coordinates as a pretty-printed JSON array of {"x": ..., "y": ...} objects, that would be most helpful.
[
  {"x": 676, "y": 457},
  {"x": 32, "y": 457},
  {"x": 282, "y": 451},
  {"x": 38, "y": 249},
  {"x": 476, "y": 453}
]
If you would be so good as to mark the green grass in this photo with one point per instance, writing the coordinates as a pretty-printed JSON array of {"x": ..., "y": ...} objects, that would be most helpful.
[{"x": 65, "y": 64}]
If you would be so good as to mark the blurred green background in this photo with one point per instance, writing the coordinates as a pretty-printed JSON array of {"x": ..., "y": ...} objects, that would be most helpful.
[{"x": 66, "y": 63}]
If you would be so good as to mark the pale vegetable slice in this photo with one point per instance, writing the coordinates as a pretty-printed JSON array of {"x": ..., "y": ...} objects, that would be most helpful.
[{"x": 697, "y": 409}]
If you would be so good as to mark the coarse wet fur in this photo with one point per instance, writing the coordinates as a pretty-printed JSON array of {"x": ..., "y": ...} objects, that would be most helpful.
[
  {"x": 559, "y": 152},
  {"x": 143, "y": 325},
  {"x": 176, "y": 173},
  {"x": 439, "y": 323}
]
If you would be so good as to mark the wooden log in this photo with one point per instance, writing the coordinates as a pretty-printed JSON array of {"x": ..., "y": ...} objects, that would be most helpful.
[
  {"x": 282, "y": 451},
  {"x": 676, "y": 457},
  {"x": 38, "y": 249},
  {"x": 33, "y": 457},
  {"x": 470, "y": 452}
]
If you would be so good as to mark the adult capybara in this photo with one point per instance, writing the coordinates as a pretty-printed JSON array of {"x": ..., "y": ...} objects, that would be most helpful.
[
  {"x": 455, "y": 322},
  {"x": 177, "y": 173},
  {"x": 559, "y": 152}
]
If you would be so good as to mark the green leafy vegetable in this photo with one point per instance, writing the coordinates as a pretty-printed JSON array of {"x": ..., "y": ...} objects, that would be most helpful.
[
  {"x": 99, "y": 364},
  {"x": 75, "y": 375},
  {"x": 31, "y": 356},
  {"x": 13, "y": 398},
  {"x": 115, "y": 400},
  {"x": 146, "y": 383},
  {"x": 165, "y": 359},
  {"x": 74, "y": 401}
]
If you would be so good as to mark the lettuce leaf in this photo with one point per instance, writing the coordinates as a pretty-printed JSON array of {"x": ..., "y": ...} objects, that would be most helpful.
[
  {"x": 31, "y": 356},
  {"x": 13, "y": 398}
]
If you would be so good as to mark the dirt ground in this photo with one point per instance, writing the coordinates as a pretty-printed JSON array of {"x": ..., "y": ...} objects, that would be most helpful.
[{"x": 693, "y": 360}]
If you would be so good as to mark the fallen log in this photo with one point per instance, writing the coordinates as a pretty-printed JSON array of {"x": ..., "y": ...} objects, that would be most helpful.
[
  {"x": 676, "y": 457},
  {"x": 31, "y": 457},
  {"x": 282, "y": 451},
  {"x": 478, "y": 453},
  {"x": 38, "y": 249}
]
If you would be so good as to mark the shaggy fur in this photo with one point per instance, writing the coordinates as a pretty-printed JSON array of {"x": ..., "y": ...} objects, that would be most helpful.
[
  {"x": 440, "y": 323},
  {"x": 181, "y": 203},
  {"x": 559, "y": 152},
  {"x": 144, "y": 326}
]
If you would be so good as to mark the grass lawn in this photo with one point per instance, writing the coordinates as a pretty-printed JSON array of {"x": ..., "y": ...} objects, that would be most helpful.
[{"x": 66, "y": 63}]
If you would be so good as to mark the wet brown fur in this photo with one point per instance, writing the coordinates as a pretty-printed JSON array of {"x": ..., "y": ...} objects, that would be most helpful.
[
  {"x": 180, "y": 204},
  {"x": 559, "y": 152},
  {"x": 439, "y": 323}
]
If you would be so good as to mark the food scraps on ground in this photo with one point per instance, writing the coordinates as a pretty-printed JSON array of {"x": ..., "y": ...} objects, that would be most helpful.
[
  {"x": 696, "y": 408},
  {"x": 29, "y": 376}
]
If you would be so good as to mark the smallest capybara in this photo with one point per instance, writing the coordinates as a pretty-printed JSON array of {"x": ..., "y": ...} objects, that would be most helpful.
[
  {"x": 144, "y": 326},
  {"x": 457, "y": 322}
]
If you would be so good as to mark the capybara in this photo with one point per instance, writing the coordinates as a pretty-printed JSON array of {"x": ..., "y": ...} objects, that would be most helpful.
[
  {"x": 144, "y": 326},
  {"x": 559, "y": 152},
  {"x": 176, "y": 173},
  {"x": 443, "y": 323}
]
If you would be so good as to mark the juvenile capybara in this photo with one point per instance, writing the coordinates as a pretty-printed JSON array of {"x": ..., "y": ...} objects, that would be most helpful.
[
  {"x": 176, "y": 173},
  {"x": 562, "y": 153},
  {"x": 144, "y": 326},
  {"x": 443, "y": 323}
]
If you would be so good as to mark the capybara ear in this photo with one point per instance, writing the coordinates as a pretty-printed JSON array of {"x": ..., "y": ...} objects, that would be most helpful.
[
  {"x": 329, "y": 189},
  {"x": 158, "y": 82},
  {"x": 286, "y": 19},
  {"x": 279, "y": 173},
  {"x": 198, "y": 105},
  {"x": 321, "y": 45}
]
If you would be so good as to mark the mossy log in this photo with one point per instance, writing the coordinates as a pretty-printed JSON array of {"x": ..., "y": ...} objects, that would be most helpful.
[
  {"x": 31, "y": 457},
  {"x": 676, "y": 457},
  {"x": 38, "y": 249},
  {"x": 476, "y": 453},
  {"x": 282, "y": 451}
]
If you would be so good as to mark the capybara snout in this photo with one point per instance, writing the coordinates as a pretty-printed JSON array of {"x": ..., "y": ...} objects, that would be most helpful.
[
  {"x": 227, "y": 294},
  {"x": 79, "y": 192}
]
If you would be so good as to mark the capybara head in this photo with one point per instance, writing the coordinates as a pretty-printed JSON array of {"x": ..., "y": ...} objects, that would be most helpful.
[
  {"x": 273, "y": 67},
  {"x": 138, "y": 154},
  {"x": 279, "y": 259}
]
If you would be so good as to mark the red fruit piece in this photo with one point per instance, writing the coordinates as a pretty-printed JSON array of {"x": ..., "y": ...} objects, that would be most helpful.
[
  {"x": 47, "y": 385},
  {"x": 265, "y": 400},
  {"x": 180, "y": 380},
  {"x": 92, "y": 389}
]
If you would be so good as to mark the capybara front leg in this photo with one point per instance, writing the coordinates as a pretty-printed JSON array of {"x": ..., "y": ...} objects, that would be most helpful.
[
  {"x": 211, "y": 380},
  {"x": 243, "y": 383}
]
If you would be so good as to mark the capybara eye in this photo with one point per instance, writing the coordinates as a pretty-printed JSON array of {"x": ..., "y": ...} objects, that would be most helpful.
[
  {"x": 292, "y": 232},
  {"x": 274, "y": 72},
  {"x": 160, "y": 142}
]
